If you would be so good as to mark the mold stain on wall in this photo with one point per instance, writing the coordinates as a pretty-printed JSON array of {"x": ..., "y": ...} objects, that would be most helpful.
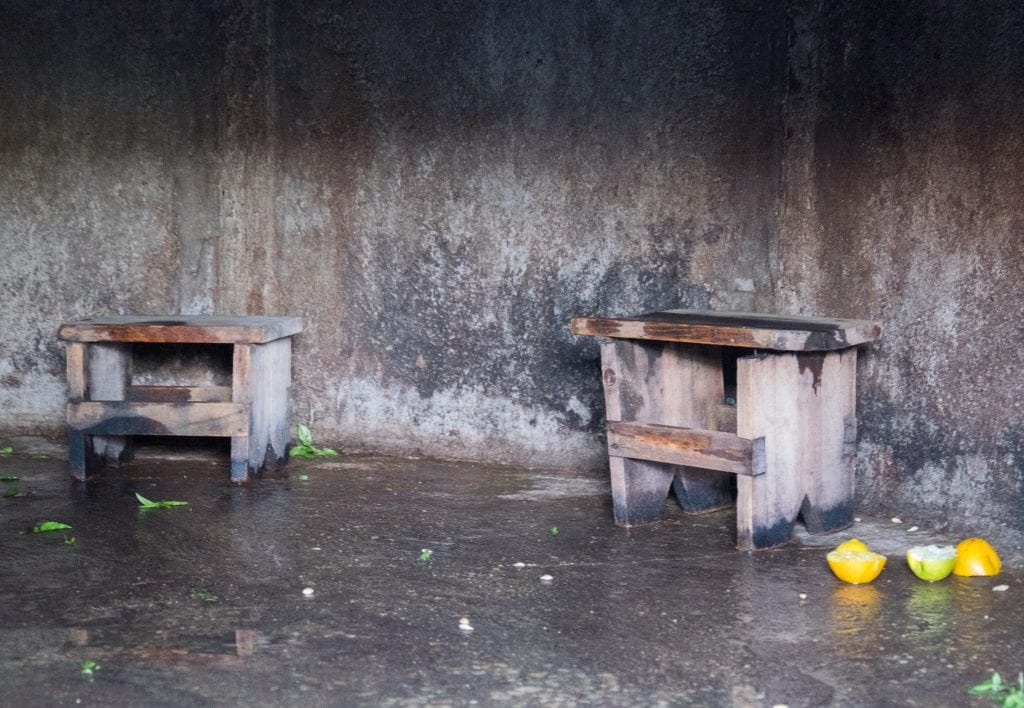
[{"x": 437, "y": 188}]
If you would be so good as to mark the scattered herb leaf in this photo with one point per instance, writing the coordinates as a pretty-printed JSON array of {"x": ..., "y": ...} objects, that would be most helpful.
[
  {"x": 69, "y": 540},
  {"x": 40, "y": 456},
  {"x": 425, "y": 554},
  {"x": 149, "y": 504},
  {"x": 12, "y": 492},
  {"x": 46, "y": 526},
  {"x": 4, "y": 451},
  {"x": 8, "y": 478},
  {"x": 306, "y": 449},
  {"x": 554, "y": 530},
  {"x": 206, "y": 596},
  {"x": 1007, "y": 695},
  {"x": 89, "y": 667}
]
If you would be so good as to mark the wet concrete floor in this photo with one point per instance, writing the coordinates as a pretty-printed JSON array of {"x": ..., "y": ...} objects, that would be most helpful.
[{"x": 204, "y": 604}]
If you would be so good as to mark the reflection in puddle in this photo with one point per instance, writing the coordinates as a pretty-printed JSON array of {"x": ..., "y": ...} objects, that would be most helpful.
[
  {"x": 854, "y": 606},
  {"x": 245, "y": 642},
  {"x": 930, "y": 611},
  {"x": 199, "y": 650},
  {"x": 853, "y": 615},
  {"x": 973, "y": 599}
]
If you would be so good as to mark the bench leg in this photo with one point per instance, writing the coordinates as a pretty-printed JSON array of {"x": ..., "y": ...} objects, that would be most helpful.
[
  {"x": 77, "y": 455},
  {"x": 668, "y": 384},
  {"x": 97, "y": 372},
  {"x": 803, "y": 405},
  {"x": 109, "y": 369},
  {"x": 261, "y": 378},
  {"x": 639, "y": 490}
]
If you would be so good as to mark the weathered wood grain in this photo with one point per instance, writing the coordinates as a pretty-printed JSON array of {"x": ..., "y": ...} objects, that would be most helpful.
[
  {"x": 179, "y": 394},
  {"x": 241, "y": 393},
  {"x": 76, "y": 371},
  {"x": 706, "y": 449},
  {"x": 733, "y": 329},
  {"x": 271, "y": 404},
  {"x": 801, "y": 404},
  {"x": 639, "y": 490},
  {"x": 108, "y": 369},
  {"x": 830, "y": 443},
  {"x": 104, "y": 409},
  {"x": 262, "y": 378},
  {"x": 795, "y": 407},
  {"x": 184, "y": 330},
  {"x": 725, "y": 419},
  {"x": 676, "y": 385},
  {"x": 77, "y": 388},
  {"x": 187, "y": 419}
]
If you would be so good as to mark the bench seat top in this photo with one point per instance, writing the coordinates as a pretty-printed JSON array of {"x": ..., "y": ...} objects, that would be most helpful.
[
  {"x": 189, "y": 329},
  {"x": 734, "y": 329}
]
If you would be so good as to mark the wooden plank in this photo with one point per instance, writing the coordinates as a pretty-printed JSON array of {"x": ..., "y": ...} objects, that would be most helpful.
[
  {"x": 639, "y": 490},
  {"x": 76, "y": 371},
  {"x": 828, "y": 404},
  {"x": 766, "y": 402},
  {"x": 241, "y": 393},
  {"x": 725, "y": 419},
  {"x": 261, "y": 378},
  {"x": 734, "y": 329},
  {"x": 77, "y": 387},
  {"x": 271, "y": 386},
  {"x": 108, "y": 368},
  {"x": 706, "y": 449},
  {"x": 179, "y": 394},
  {"x": 668, "y": 384},
  {"x": 184, "y": 330},
  {"x": 188, "y": 419},
  {"x": 801, "y": 404}
]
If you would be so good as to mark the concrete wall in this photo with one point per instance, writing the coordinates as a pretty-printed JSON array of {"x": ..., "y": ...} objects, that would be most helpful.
[
  {"x": 438, "y": 187},
  {"x": 903, "y": 202}
]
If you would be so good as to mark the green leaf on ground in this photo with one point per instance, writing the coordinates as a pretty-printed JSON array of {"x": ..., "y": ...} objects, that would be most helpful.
[
  {"x": 89, "y": 667},
  {"x": 554, "y": 530},
  {"x": 1007, "y": 695},
  {"x": 149, "y": 504},
  {"x": 8, "y": 478},
  {"x": 206, "y": 596},
  {"x": 306, "y": 449},
  {"x": 47, "y": 526},
  {"x": 70, "y": 540},
  {"x": 425, "y": 554},
  {"x": 12, "y": 492},
  {"x": 4, "y": 451}
]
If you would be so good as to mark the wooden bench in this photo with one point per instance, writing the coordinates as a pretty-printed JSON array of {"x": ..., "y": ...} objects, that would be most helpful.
[
  {"x": 699, "y": 401},
  {"x": 105, "y": 408}
]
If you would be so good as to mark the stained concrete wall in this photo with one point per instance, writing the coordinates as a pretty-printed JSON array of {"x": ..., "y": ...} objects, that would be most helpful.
[
  {"x": 903, "y": 202},
  {"x": 438, "y": 187}
]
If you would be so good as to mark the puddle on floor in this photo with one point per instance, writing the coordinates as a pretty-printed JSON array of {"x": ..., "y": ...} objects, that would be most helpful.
[{"x": 205, "y": 603}]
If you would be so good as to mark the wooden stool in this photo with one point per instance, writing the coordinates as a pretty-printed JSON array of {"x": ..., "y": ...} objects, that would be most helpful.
[
  {"x": 104, "y": 406},
  {"x": 787, "y": 437}
]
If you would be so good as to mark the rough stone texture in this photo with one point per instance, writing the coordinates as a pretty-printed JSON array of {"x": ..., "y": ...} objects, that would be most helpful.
[{"x": 437, "y": 187}]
